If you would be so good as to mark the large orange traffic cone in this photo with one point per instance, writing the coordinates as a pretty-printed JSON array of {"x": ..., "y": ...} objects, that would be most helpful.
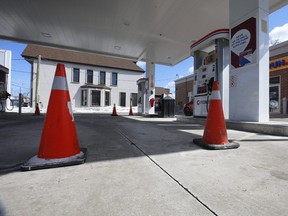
[
  {"x": 114, "y": 113},
  {"x": 215, "y": 133},
  {"x": 131, "y": 111},
  {"x": 37, "y": 110},
  {"x": 59, "y": 142}
]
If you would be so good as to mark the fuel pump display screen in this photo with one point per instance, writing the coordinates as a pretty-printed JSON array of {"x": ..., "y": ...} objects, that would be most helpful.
[
  {"x": 201, "y": 81},
  {"x": 202, "y": 89}
]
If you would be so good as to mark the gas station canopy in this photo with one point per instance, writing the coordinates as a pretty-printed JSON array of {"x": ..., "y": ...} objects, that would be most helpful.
[{"x": 117, "y": 28}]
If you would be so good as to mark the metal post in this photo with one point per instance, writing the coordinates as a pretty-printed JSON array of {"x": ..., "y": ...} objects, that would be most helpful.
[
  {"x": 20, "y": 104},
  {"x": 37, "y": 81},
  {"x": 284, "y": 102}
]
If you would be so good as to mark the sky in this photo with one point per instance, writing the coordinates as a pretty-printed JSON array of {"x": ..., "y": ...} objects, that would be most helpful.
[{"x": 164, "y": 75}]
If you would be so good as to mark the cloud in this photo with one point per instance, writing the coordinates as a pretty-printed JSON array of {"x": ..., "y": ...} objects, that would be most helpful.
[
  {"x": 179, "y": 76},
  {"x": 279, "y": 34},
  {"x": 171, "y": 86},
  {"x": 191, "y": 70},
  {"x": 141, "y": 64}
]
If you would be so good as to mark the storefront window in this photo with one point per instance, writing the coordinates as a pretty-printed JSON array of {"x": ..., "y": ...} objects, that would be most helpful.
[{"x": 274, "y": 95}]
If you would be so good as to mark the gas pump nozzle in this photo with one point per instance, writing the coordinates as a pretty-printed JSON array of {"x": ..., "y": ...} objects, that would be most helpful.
[
  {"x": 209, "y": 88},
  {"x": 210, "y": 84}
]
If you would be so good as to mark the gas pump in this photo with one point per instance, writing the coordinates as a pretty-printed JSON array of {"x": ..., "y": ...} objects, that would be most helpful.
[
  {"x": 143, "y": 93},
  {"x": 211, "y": 64},
  {"x": 204, "y": 79}
]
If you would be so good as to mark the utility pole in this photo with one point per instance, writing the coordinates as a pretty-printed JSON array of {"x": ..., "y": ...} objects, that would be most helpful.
[{"x": 37, "y": 81}]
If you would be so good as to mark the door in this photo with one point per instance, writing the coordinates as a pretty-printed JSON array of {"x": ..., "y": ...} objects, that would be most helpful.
[
  {"x": 122, "y": 99},
  {"x": 95, "y": 98},
  {"x": 84, "y": 97},
  {"x": 107, "y": 98}
]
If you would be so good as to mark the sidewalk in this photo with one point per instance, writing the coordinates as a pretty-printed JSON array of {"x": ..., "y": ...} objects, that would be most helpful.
[
  {"x": 144, "y": 166},
  {"x": 278, "y": 124}
]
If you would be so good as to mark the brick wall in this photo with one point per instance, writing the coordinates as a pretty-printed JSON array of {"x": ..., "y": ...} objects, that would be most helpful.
[
  {"x": 283, "y": 73},
  {"x": 283, "y": 81},
  {"x": 181, "y": 93}
]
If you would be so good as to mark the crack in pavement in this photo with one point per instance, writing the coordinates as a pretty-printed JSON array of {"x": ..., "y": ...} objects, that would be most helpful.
[{"x": 166, "y": 172}]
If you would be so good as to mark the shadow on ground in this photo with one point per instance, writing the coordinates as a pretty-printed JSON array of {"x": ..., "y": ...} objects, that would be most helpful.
[{"x": 106, "y": 137}]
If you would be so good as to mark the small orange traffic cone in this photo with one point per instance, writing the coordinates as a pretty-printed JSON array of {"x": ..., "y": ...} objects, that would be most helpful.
[
  {"x": 131, "y": 111},
  {"x": 59, "y": 142},
  {"x": 37, "y": 110},
  {"x": 114, "y": 113},
  {"x": 215, "y": 133}
]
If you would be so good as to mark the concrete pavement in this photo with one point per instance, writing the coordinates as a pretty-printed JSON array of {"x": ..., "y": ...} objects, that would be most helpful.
[{"x": 143, "y": 166}]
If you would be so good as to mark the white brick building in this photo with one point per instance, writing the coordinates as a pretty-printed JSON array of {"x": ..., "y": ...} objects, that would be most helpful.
[{"x": 94, "y": 81}]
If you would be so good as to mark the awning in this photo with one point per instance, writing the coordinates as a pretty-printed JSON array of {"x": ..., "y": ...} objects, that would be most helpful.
[
  {"x": 101, "y": 86},
  {"x": 4, "y": 69}
]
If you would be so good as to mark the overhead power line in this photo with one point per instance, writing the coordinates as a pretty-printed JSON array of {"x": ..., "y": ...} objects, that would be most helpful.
[
  {"x": 19, "y": 71},
  {"x": 165, "y": 79},
  {"x": 19, "y": 86},
  {"x": 18, "y": 59}
]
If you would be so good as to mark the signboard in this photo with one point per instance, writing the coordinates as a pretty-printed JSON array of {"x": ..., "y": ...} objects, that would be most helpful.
[
  {"x": 278, "y": 64},
  {"x": 200, "y": 106},
  {"x": 243, "y": 43}
]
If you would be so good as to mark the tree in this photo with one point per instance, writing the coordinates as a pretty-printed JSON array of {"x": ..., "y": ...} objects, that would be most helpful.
[{"x": 274, "y": 42}]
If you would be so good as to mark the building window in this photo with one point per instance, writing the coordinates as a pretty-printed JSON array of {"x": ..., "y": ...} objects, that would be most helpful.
[
  {"x": 275, "y": 80},
  {"x": 133, "y": 99},
  {"x": 95, "y": 98},
  {"x": 84, "y": 94},
  {"x": 274, "y": 95},
  {"x": 274, "y": 98},
  {"x": 114, "y": 79},
  {"x": 76, "y": 75},
  {"x": 122, "y": 99},
  {"x": 90, "y": 76},
  {"x": 102, "y": 77},
  {"x": 107, "y": 98}
]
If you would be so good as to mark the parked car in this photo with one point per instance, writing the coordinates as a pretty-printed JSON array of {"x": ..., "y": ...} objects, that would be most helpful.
[{"x": 188, "y": 108}]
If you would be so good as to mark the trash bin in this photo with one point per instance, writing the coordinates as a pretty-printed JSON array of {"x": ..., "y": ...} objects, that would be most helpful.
[{"x": 166, "y": 107}]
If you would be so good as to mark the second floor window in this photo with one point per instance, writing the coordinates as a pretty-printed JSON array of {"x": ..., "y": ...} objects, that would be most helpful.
[
  {"x": 90, "y": 76},
  {"x": 114, "y": 79},
  {"x": 102, "y": 77},
  {"x": 76, "y": 75}
]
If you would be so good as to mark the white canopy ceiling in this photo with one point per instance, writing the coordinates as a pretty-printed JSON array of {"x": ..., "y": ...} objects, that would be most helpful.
[{"x": 122, "y": 28}]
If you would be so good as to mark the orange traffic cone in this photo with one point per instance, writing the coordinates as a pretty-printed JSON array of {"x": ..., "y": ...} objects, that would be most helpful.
[
  {"x": 114, "y": 113},
  {"x": 37, "y": 110},
  {"x": 215, "y": 133},
  {"x": 131, "y": 111},
  {"x": 59, "y": 142}
]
